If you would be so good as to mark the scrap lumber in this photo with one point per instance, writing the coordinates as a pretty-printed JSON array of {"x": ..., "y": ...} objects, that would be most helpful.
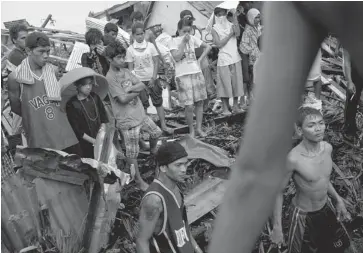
[
  {"x": 334, "y": 87},
  {"x": 204, "y": 198}
]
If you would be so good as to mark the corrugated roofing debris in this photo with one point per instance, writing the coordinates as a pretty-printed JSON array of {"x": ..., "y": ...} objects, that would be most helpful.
[
  {"x": 9, "y": 24},
  {"x": 205, "y": 7}
]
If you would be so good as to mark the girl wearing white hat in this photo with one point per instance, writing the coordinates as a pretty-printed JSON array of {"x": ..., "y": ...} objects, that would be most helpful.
[{"x": 82, "y": 93}]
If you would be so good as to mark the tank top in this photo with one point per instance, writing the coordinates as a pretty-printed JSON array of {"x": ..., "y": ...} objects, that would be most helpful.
[
  {"x": 174, "y": 236},
  {"x": 45, "y": 125}
]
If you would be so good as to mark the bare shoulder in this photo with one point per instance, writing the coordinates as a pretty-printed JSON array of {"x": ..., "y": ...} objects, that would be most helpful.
[
  {"x": 293, "y": 158},
  {"x": 328, "y": 147},
  {"x": 151, "y": 206}
]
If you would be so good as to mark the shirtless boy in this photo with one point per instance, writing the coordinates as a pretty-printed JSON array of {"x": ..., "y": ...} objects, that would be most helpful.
[
  {"x": 314, "y": 227},
  {"x": 163, "y": 218}
]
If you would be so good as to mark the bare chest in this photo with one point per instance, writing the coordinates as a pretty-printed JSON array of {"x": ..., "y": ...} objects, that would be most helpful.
[{"x": 313, "y": 169}]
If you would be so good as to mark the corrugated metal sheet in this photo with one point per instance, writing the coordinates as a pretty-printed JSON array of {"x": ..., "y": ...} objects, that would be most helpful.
[
  {"x": 74, "y": 60},
  {"x": 205, "y": 7},
  {"x": 14, "y": 22},
  {"x": 67, "y": 207},
  {"x": 19, "y": 212}
]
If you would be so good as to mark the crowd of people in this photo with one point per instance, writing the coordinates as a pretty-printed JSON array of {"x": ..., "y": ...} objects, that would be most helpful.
[{"x": 116, "y": 83}]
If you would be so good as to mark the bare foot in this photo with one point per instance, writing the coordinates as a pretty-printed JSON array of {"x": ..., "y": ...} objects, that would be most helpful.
[
  {"x": 192, "y": 134},
  {"x": 201, "y": 133},
  {"x": 167, "y": 130},
  {"x": 142, "y": 185},
  {"x": 235, "y": 109}
]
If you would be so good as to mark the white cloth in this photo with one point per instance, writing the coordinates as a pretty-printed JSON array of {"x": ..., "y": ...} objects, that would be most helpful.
[
  {"x": 189, "y": 64},
  {"x": 229, "y": 53},
  {"x": 138, "y": 45},
  {"x": 143, "y": 61},
  {"x": 251, "y": 15}
]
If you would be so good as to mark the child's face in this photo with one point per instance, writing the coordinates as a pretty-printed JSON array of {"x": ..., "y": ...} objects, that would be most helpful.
[
  {"x": 118, "y": 61},
  {"x": 20, "y": 40},
  {"x": 113, "y": 34},
  {"x": 221, "y": 13},
  {"x": 86, "y": 87},
  {"x": 139, "y": 35},
  {"x": 140, "y": 20},
  {"x": 97, "y": 43},
  {"x": 257, "y": 19},
  {"x": 313, "y": 128},
  {"x": 185, "y": 30}
]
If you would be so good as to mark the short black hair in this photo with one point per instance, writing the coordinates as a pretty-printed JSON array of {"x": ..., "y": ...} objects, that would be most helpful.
[
  {"x": 110, "y": 27},
  {"x": 136, "y": 15},
  {"x": 304, "y": 112},
  {"x": 114, "y": 49},
  {"x": 184, "y": 22},
  {"x": 81, "y": 81},
  {"x": 136, "y": 26},
  {"x": 15, "y": 29},
  {"x": 92, "y": 36},
  {"x": 37, "y": 39}
]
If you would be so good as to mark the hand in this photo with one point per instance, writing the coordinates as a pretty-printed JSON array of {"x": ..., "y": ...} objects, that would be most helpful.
[
  {"x": 129, "y": 89},
  {"x": 277, "y": 237},
  {"x": 342, "y": 213},
  {"x": 151, "y": 83},
  {"x": 186, "y": 38},
  {"x": 351, "y": 87},
  {"x": 100, "y": 48}
]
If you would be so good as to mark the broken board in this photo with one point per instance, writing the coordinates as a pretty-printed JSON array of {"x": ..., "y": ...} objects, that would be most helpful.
[{"x": 204, "y": 198}]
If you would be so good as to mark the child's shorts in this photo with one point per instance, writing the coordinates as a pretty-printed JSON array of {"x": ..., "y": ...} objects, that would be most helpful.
[
  {"x": 191, "y": 88},
  {"x": 131, "y": 136},
  {"x": 155, "y": 92}
]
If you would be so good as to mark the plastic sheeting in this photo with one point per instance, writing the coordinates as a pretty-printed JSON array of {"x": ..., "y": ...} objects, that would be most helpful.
[{"x": 198, "y": 149}]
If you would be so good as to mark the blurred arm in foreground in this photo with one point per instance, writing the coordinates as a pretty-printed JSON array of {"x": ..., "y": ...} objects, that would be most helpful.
[{"x": 261, "y": 165}]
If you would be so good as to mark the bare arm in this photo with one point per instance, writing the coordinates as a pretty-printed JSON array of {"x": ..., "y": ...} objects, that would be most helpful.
[
  {"x": 88, "y": 138},
  {"x": 156, "y": 66},
  {"x": 206, "y": 50},
  {"x": 178, "y": 53},
  {"x": 151, "y": 209},
  {"x": 277, "y": 234},
  {"x": 131, "y": 66},
  {"x": 14, "y": 94},
  {"x": 218, "y": 42},
  {"x": 261, "y": 165}
]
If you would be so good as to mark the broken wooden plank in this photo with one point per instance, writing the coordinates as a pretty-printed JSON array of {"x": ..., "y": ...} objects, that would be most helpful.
[
  {"x": 69, "y": 177},
  {"x": 333, "y": 87},
  {"x": 204, "y": 198}
]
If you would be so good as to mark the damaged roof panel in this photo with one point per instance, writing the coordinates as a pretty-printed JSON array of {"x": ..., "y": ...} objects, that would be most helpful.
[{"x": 205, "y": 7}]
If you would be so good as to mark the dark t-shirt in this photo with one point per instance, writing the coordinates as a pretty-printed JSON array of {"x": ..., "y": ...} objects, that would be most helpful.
[
  {"x": 16, "y": 56},
  {"x": 96, "y": 62},
  {"x": 86, "y": 117}
]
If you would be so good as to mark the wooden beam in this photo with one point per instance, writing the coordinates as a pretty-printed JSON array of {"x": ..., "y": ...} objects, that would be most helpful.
[
  {"x": 204, "y": 198},
  {"x": 46, "y": 21}
]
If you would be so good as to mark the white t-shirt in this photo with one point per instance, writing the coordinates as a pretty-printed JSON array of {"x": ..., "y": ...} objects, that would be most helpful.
[
  {"x": 143, "y": 61},
  {"x": 189, "y": 64},
  {"x": 228, "y": 54}
]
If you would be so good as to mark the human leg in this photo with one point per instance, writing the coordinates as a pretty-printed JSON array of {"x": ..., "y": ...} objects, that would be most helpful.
[
  {"x": 198, "y": 107},
  {"x": 189, "y": 118},
  {"x": 131, "y": 139},
  {"x": 156, "y": 94},
  {"x": 150, "y": 127}
]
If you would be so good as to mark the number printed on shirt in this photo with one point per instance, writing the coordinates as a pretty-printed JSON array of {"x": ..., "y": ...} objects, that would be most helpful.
[{"x": 49, "y": 112}]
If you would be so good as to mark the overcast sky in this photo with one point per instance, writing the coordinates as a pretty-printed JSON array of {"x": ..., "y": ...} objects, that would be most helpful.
[{"x": 68, "y": 15}]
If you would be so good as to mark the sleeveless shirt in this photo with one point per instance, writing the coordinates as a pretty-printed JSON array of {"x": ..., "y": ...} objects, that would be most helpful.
[
  {"x": 174, "y": 236},
  {"x": 45, "y": 125}
]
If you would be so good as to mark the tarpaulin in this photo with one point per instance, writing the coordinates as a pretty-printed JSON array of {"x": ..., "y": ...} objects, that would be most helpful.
[{"x": 198, "y": 149}]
